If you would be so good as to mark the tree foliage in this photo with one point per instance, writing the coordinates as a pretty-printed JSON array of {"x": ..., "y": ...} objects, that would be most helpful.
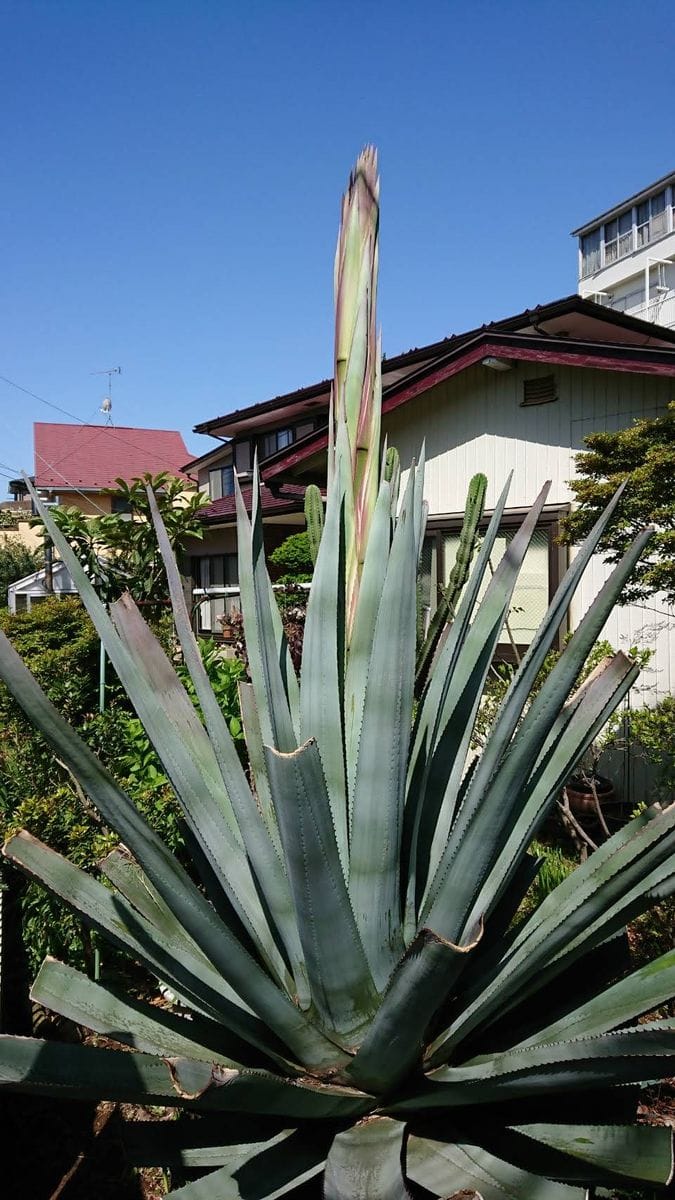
[
  {"x": 16, "y": 561},
  {"x": 119, "y": 550},
  {"x": 644, "y": 456}
]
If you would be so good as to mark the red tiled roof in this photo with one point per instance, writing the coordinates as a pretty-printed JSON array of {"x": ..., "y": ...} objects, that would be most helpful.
[
  {"x": 287, "y": 498},
  {"x": 94, "y": 456}
]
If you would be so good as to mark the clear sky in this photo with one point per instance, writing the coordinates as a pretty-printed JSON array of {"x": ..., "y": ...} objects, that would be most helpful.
[{"x": 170, "y": 173}]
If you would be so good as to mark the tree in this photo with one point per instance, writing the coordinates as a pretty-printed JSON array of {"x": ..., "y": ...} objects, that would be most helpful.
[
  {"x": 16, "y": 561},
  {"x": 119, "y": 550},
  {"x": 644, "y": 456}
]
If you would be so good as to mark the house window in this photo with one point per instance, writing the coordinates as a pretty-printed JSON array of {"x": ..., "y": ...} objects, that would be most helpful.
[
  {"x": 619, "y": 237},
  {"x": 276, "y": 441},
  {"x": 242, "y": 456},
  {"x": 280, "y": 438},
  {"x": 119, "y": 504},
  {"x": 221, "y": 482},
  {"x": 216, "y": 572},
  {"x": 590, "y": 252},
  {"x": 538, "y": 578},
  {"x": 651, "y": 219}
]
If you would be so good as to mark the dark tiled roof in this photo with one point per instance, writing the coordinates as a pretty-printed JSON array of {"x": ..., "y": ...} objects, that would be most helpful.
[{"x": 289, "y": 497}]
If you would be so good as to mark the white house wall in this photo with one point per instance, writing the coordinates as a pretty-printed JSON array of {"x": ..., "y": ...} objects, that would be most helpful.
[{"x": 475, "y": 422}]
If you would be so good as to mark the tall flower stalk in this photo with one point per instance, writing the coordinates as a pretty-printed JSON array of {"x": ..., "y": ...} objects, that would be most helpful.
[{"x": 357, "y": 391}]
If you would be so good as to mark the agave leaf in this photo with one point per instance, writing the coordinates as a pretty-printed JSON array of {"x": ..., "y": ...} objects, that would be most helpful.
[
  {"x": 370, "y": 595},
  {"x": 191, "y": 975},
  {"x": 366, "y": 1161},
  {"x": 204, "y": 1141},
  {"x": 487, "y": 811},
  {"x": 631, "y": 1056},
  {"x": 377, "y": 806},
  {"x": 634, "y": 1151},
  {"x": 256, "y": 755},
  {"x": 641, "y": 991},
  {"x": 131, "y": 882},
  {"x": 272, "y": 673},
  {"x": 444, "y": 1168},
  {"x": 263, "y": 848},
  {"x": 521, "y": 686},
  {"x": 449, "y": 747},
  {"x": 211, "y": 817},
  {"x": 574, "y": 730},
  {"x": 189, "y": 764},
  {"x": 190, "y": 907},
  {"x": 420, "y": 508},
  {"x": 263, "y": 796},
  {"x": 393, "y": 1045},
  {"x": 89, "y": 1072},
  {"x": 340, "y": 981},
  {"x": 143, "y": 1026},
  {"x": 323, "y": 667},
  {"x": 445, "y": 610},
  {"x": 274, "y": 1170},
  {"x": 595, "y": 900},
  {"x": 439, "y": 701}
]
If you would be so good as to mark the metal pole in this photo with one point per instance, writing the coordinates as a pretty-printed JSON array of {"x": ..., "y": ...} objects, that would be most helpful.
[
  {"x": 101, "y": 678},
  {"x": 49, "y": 567}
]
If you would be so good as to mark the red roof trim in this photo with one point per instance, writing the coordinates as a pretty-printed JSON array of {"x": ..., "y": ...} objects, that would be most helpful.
[
  {"x": 467, "y": 357},
  {"x": 534, "y": 317}
]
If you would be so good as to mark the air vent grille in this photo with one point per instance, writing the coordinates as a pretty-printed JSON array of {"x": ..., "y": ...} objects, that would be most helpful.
[{"x": 539, "y": 391}]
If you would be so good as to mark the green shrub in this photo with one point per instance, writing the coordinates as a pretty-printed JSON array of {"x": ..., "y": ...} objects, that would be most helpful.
[
  {"x": 224, "y": 676},
  {"x": 652, "y": 737},
  {"x": 293, "y": 559},
  {"x": 48, "y": 926},
  {"x": 60, "y": 643}
]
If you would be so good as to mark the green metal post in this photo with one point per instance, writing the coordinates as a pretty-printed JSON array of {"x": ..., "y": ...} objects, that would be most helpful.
[{"x": 101, "y": 678}]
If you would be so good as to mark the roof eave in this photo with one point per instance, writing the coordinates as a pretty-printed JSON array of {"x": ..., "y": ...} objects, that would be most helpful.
[
  {"x": 644, "y": 194},
  {"x": 524, "y": 347}
]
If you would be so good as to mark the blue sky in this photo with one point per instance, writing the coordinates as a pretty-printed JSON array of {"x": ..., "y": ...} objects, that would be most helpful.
[{"x": 171, "y": 173}]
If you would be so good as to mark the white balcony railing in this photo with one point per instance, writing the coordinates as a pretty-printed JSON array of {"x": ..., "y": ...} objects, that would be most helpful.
[{"x": 214, "y": 606}]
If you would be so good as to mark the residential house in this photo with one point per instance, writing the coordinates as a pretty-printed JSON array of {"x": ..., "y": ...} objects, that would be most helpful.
[
  {"x": 74, "y": 465},
  {"x": 517, "y": 395},
  {"x": 626, "y": 254}
]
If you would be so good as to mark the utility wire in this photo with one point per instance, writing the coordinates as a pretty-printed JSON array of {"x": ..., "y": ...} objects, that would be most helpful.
[
  {"x": 52, "y": 466},
  {"x": 80, "y": 421},
  {"x": 72, "y": 486}
]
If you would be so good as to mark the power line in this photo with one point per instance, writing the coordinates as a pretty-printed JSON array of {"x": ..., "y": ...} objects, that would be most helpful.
[
  {"x": 71, "y": 486},
  {"x": 110, "y": 432}
]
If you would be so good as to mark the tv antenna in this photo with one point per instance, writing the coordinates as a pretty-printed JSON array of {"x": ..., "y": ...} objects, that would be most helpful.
[{"x": 106, "y": 403}]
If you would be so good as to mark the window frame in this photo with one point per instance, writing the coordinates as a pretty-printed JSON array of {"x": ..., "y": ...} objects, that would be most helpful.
[
  {"x": 549, "y": 521},
  {"x": 196, "y": 563},
  {"x": 224, "y": 490},
  {"x": 308, "y": 424}
]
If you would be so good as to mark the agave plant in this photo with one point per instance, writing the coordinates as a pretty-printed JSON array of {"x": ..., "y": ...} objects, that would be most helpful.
[{"x": 359, "y": 1011}]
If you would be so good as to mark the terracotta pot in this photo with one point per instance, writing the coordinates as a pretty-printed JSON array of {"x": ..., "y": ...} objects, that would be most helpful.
[{"x": 580, "y": 793}]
